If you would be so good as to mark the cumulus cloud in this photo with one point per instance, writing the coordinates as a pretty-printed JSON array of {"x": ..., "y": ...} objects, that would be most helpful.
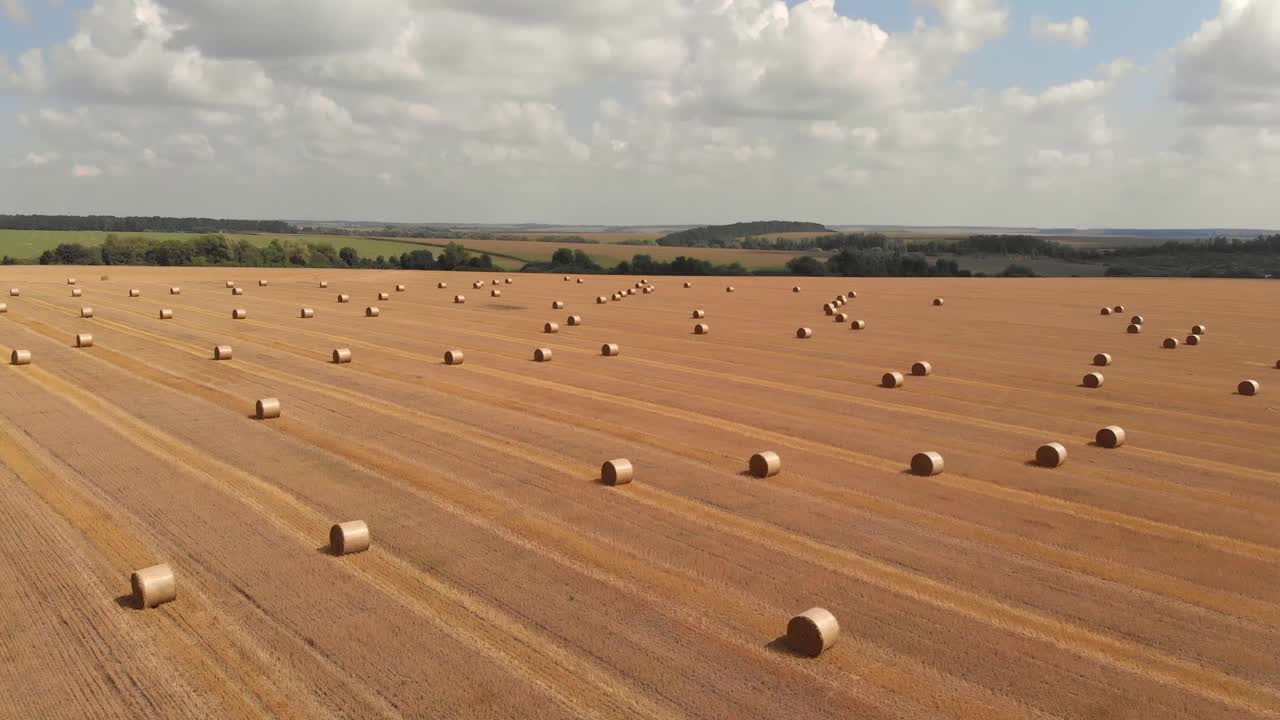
[
  {"x": 1074, "y": 32},
  {"x": 1228, "y": 71},
  {"x": 1072, "y": 93},
  {"x": 85, "y": 171}
]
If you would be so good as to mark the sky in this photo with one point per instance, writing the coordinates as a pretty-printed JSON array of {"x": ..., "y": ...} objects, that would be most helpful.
[{"x": 1041, "y": 113}]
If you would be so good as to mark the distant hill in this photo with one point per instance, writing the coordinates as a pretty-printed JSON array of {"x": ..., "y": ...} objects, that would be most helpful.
[{"x": 730, "y": 235}]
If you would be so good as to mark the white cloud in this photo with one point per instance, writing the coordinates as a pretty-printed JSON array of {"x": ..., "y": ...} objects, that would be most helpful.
[
  {"x": 85, "y": 171},
  {"x": 1074, "y": 32},
  {"x": 1228, "y": 71},
  {"x": 1073, "y": 93},
  {"x": 37, "y": 159},
  {"x": 16, "y": 11},
  {"x": 1053, "y": 159}
]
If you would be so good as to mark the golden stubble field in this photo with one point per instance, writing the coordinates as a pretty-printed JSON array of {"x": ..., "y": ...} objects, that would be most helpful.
[{"x": 505, "y": 581}]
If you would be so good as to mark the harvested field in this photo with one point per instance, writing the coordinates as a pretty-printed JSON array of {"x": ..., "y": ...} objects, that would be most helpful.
[{"x": 506, "y": 580}]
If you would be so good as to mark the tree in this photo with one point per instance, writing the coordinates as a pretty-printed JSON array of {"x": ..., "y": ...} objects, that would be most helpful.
[
  {"x": 349, "y": 256},
  {"x": 562, "y": 258},
  {"x": 806, "y": 265},
  {"x": 417, "y": 260},
  {"x": 454, "y": 256}
]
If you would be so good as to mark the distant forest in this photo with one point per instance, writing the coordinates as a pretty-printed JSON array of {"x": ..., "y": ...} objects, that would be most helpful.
[
  {"x": 731, "y": 235},
  {"x": 111, "y": 223}
]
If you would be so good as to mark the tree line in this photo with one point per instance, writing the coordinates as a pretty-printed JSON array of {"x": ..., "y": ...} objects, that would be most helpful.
[
  {"x": 111, "y": 223},
  {"x": 732, "y": 235}
]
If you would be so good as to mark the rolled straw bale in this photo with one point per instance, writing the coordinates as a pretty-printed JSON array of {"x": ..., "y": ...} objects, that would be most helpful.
[
  {"x": 237, "y": 291},
  {"x": 84, "y": 340},
  {"x": 305, "y": 313},
  {"x": 459, "y": 299},
  {"x": 566, "y": 278},
  {"x": 1093, "y": 380},
  {"x": 222, "y": 352},
  {"x": 617, "y": 472},
  {"x": 1137, "y": 320},
  {"x": 557, "y": 304},
  {"x": 639, "y": 285},
  {"x": 688, "y": 285},
  {"x": 14, "y": 292},
  {"x": 647, "y": 290},
  {"x": 1248, "y": 387},
  {"x": 701, "y": 329},
  {"x": 551, "y": 328},
  {"x": 921, "y": 369},
  {"x": 324, "y": 284},
  {"x": 239, "y": 314},
  {"x": 76, "y": 292},
  {"x": 891, "y": 380},
  {"x": 4, "y": 307},
  {"x": 372, "y": 311},
  {"x": 937, "y": 302},
  {"x": 829, "y": 309},
  {"x": 230, "y": 284},
  {"x": 135, "y": 292},
  {"x": 1277, "y": 362},
  {"x": 400, "y": 288},
  {"x": 601, "y": 300},
  {"x": 542, "y": 355},
  {"x": 268, "y": 408},
  {"x": 765, "y": 464},
  {"x": 71, "y": 281},
  {"x": 453, "y": 357},
  {"x": 839, "y": 299},
  {"x": 575, "y": 320},
  {"x": 1111, "y": 436},
  {"x": 262, "y": 283},
  {"x": 1051, "y": 455},
  {"x": 341, "y": 356},
  {"x": 349, "y": 537},
  {"x": 495, "y": 281},
  {"x": 841, "y": 317},
  {"x": 1197, "y": 330},
  {"x": 384, "y": 296},
  {"x": 509, "y": 281},
  {"x": 20, "y": 357},
  {"x": 795, "y": 289},
  {"x": 609, "y": 350},
  {"x": 580, "y": 281},
  {"x": 699, "y": 314},
  {"x": 442, "y": 285},
  {"x": 477, "y": 285},
  {"x": 1118, "y": 309},
  {"x": 858, "y": 325},
  {"x": 175, "y": 290},
  {"x": 804, "y": 333},
  {"x": 926, "y": 463},
  {"x": 1193, "y": 339},
  {"x": 344, "y": 298},
  {"x": 853, "y": 294},
  {"x": 86, "y": 312},
  {"x": 495, "y": 293},
  {"x": 1106, "y": 311},
  {"x": 1170, "y": 343},
  {"x": 1102, "y": 359},
  {"x": 838, "y": 302},
  {"x": 1133, "y": 329},
  {"x": 615, "y": 297},
  {"x": 166, "y": 314},
  {"x": 729, "y": 289},
  {"x": 153, "y": 586},
  {"x": 631, "y": 291},
  {"x": 812, "y": 632}
]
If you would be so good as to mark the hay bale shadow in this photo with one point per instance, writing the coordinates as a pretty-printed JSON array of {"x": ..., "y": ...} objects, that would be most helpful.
[{"x": 779, "y": 646}]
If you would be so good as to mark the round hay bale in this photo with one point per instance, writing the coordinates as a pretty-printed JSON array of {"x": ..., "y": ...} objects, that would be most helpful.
[
  {"x": 237, "y": 291},
  {"x": 1137, "y": 320},
  {"x": 4, "y": 307},
  {"x": 306, "y": 313},
  {"x": 891, "y": 380},
  {"x": 262, "y": 283},
  {"x": 495, "y": 281},
  {"x": 1106, "y": 311},
  {"x": 20, "y": 357},
  {"x": 841, "y": 317},
  {"x": 1248, "y": 387},
  {"x": 729, "y": 289},
  {"x": 812, "y": 632},
  {"x": 1170, "y": 343},
  {"x": 639, "y": 285},
  {"x": 76, "y": 292},
  {"x": 400, "y": 288},
  {"x": 610, "y": 350},
  {"x": 222, "y": 352},
  {"x": 688, "y": 285},
  {"x": 86, "y": 312},
  {"x": 795, "y": 289},
  {"x": 153, "y": 586},
  {"x": 937, "y": 302},
  {"x": 1118, "y": 309},
  {"x": 557, "y": 304},
  {"x": 1093, "y": 380},
  {"x": 630, "y": 291},
  {"x": 648, "y": 290},
  {"x": 84, "y": 340},
  {"x": 372, "y": 311},
  {"x": 926, "y": 464},
  {"x": 324, "y": 284},
  {"x": 858, "y": 325},
  {"x": 699, "y": 314},
  {"x": 853, "y": 294},
  {"x": 829, "y": 308},
  {"x": 509, "y": 281},
  {"x": 601, "y": 300},
  {"x": 341, "y": 356},
  {"x": 765, "y": 464},
  {"x": 551, "y": 327},
  {"x": 230, "y": 284},
  {"x": 1133, "y": 329},
  {"x": 1102, "y": 359},
  {"x": 838, "y": 302},
  {"x": 1111, "y": 436},
  {"x": 615, "y": 297},
  {"x": 575, "y": 320},
  {"x": 1193, "y": 340},
  {"x": 453, "y": 357},
  {"x": 344, "y": 298},
  {"x": 617, "y": 472},
  {"x": 495, "y": 293},
  {"x": 166, "y": 314},
  {"x": 459, "y": 299},
  {"x": 175, "y": 290},
  {"x": 135, "y": 292},
  {"x": 701, "y": 329},
  {"x": 1277, "y": 362},
  {"x": 542, "y": 355},
  {"x": 442, "y": 285},
  {"x": 1197, "y": 330},
  {"x": 239, "y": 314},
  {"x": 804, "y": 333},
  {"x": 384, "y": 296},
  {"x": 477, "y": 285},
  {"x": 580, "y": 281},
  {"x": 267, "y": 408},
  {"x": 1051, "y": 455},
  {"x": 71, "y": 281},
  {"x": 14, "y": 292},
  {"x": 921, "y": 369},
  {"x": 349, "y": 537},
  {"x": 566, "y": 278}
]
